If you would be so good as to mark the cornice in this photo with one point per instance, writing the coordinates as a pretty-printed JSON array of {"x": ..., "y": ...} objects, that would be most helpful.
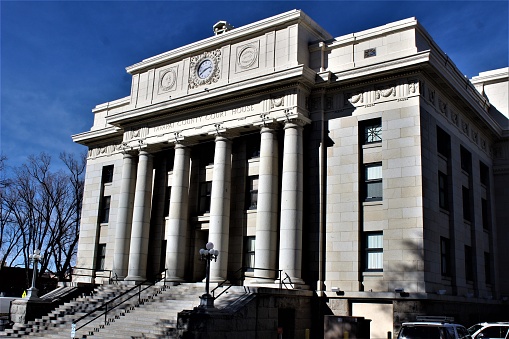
[
  {"x": 283, "y": 19},
  {"x": 104, "y": 133}
]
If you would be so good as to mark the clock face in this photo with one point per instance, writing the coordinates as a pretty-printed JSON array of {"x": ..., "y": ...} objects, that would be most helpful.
[{"x": 205, "y": 69}]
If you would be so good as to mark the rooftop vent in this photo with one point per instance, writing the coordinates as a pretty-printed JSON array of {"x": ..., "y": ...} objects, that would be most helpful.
[{"x": 221, "y": 26}]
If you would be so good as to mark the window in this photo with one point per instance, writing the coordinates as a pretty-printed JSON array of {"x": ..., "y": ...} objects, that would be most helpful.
[
  {"x": 485, "y": 214},
  {"x": 443, "y": 191},
  {"x": 100, "y": 257},
  {"x": 249, "y": 253},
  {"x": 487, "y": 267},
  {"x": 374, "y": 252},
  {"x": 445, "y": 256},
  {"x": 370, "y": 52},
  {"x": 373, "y": 182},
  {"x": 167, "y": 196},
  {"x": 104, "y": 216},
  {"x": 252, "y": 192},
  {"x": 466, "y": 204},
  {"x": 205, "y": 190},
  {"x": 107, "y": 175},
  {"x": 484, "y": 173},
  {"x": 443, "y": 143},
  {"x": 469, "y": 263},
  {"x": 372, "y": 131},
  {"x": 466, "y": 159},
  {"x": 494, "y": 332}
]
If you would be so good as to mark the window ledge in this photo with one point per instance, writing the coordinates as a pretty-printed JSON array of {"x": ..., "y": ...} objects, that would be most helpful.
[
  {"x": 372, "y": 274},
  {"x": 444, "y": 211},
  {"x": 103, "y": 224},
  {"x": 372, "y": 145},
  {"x": 251, "y": 211},
  {"x": 204, "y": 217},
  {"x": 373, "y": 203},
  {"x": 252, "y": 160}
]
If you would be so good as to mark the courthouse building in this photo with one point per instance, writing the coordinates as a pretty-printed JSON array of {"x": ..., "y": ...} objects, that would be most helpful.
[{"x": 365, "y": 167}]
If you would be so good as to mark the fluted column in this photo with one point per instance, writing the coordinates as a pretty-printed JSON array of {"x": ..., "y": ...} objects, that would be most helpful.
[
  {"x": 220, "y": 207},
  {"x": 176, "y": 225},
  {"x": 290, "y": 243},
  {"x": 141, "y": 219},
  {"x": 123, "y": 228},
  {"x": 266, "y": 212}
]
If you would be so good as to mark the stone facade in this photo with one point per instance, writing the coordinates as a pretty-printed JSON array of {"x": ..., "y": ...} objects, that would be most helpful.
[{"x": 364, "y": 167}]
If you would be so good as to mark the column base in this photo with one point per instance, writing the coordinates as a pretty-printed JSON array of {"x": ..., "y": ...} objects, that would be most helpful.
[
  {"x": 133, "y": 280},
  {"x": 32, "y": 293}
]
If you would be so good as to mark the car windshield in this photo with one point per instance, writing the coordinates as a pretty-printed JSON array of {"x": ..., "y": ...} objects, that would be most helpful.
[
  {"x": 474, "y": 328},
  {"x": 421, "y": 332}
]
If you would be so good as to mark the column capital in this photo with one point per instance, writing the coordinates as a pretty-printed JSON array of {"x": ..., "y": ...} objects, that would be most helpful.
[
  {"x": 295, "y": 123},
  {"x": 269, "y": 128}
]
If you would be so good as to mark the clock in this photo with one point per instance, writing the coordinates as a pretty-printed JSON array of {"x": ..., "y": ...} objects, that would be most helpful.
[{"x": 205, "y": 68}]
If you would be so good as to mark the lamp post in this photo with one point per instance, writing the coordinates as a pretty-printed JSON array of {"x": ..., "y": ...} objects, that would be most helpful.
[
  {"x": 208, "y": 253},
  {"x": 32, "y": 291}
]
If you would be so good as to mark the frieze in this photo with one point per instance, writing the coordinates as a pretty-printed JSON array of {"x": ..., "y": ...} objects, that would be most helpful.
[
  {"x": 277, "y": 102},
  {"x": 104, "y": 150},
  {"x": 167, "y": 79},
  {"x": 442, "y": 106},
  {"x": 385, "y": 92},
  {"x": 136, "y": 133},
  {"x": 247, "y": 56}
]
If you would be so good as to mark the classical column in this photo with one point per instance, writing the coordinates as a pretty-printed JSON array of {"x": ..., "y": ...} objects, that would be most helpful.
[
  {"x": 266, "y": 212},
  {"x": 141, "y": 220},
  {"x": 176, "y": 225},
  {"x": 123, "y": 228},
  {"x": 290, "y": 243},
  {"x": 220, "y": 207}
]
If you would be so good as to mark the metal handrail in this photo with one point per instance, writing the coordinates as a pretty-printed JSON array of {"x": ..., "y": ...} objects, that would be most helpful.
[
  {"x": 106, "y": 304},
  {"x": 92, "y": 275},
  {"x": 242, "y": 278}
]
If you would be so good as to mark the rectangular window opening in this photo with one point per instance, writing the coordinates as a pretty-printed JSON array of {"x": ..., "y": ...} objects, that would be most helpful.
[
  {"x": 205, "y": 191},
  {"x": 107, "y": 174},
  {"x": 249, "y": 253},
  {"x": 466, "y": 159},
  {"x": 104, "y": 216},
  {"x": 443, "y": 143},
  {"x": 445, "y": 257},
  {"x": 100, "y": 257},
  {"x": 373, "y": 182},
  {"x": 466, "y": 204},
  {"x": 252, "y": 192},
  {"x": 443, "y": 191},
  {"x": 469, "y": 263},
  {"x": 372, "y": 130},
  {"x": 374, "y": 252}
]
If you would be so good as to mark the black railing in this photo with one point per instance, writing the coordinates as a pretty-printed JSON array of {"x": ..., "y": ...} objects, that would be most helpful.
[
  {"x": 93, "y": 273},
  {"x": 109, "y": 305},
  {"x": 242, "y": 277}
]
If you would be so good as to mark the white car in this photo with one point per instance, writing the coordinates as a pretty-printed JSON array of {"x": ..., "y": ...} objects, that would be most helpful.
[{"x": 497, "y": 330}]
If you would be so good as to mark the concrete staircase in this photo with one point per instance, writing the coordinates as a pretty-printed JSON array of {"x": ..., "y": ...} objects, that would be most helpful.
[{"x": 153, "y": 316}]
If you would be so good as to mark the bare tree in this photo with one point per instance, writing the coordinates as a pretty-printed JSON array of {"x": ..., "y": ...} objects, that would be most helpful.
[{"x": 44, "y": 208}]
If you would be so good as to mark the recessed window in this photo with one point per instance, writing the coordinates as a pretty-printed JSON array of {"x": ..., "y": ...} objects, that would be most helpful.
[
  {"x": 107, "y": 174},
  {"x": 373, "y": 182},
  {"x": 372, "y": 131},
  {"x": 466, "y": 203},
  {"x": 485, "y": 214},
  {"x": 484, "y": 173},
  {"x": 252, "y": 192},
  {"x": 443, "y": 191},
  {"x": 443, "y": 143},
  {"x": 469, "y": 263},
  {"x": 104, "y": 216},
  {"x": 466, "y": 159},
  {"x": 167, "y": 196},
  {"x": 370, "y": 52},
  {"x": 205, "y": 190},
  {"x": 100, "y": 257},
  {"x": 487, "y": 267},
  {"x": 374, "y": 259},
  {"x": 249, "y": 253},
  {"x": 445, "y": 256}
]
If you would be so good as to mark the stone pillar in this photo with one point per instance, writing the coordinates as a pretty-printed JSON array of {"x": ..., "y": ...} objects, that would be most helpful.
[
  {"x": 290, "y": 243},
  {"x": 176, "y": 225},
  {"x": 220, "y": 207},
  {"x": 141, "y": 220},
  {"x": 266, "y": 216},
  {"x": 123, "y": 228}
]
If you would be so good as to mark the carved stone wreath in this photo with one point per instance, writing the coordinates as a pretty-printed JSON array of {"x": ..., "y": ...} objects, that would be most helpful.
[
  {"x": 167, "y": 79},
  {"x": 194, "y": 80}
]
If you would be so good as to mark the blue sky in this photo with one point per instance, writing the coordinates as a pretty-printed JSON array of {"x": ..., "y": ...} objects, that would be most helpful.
[{"x": 61, "y": 58}]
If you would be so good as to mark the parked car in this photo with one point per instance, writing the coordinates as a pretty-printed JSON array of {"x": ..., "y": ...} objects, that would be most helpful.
[
  {"x": 499, "y": 330},
  {"x": 433, "y": 328}
]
